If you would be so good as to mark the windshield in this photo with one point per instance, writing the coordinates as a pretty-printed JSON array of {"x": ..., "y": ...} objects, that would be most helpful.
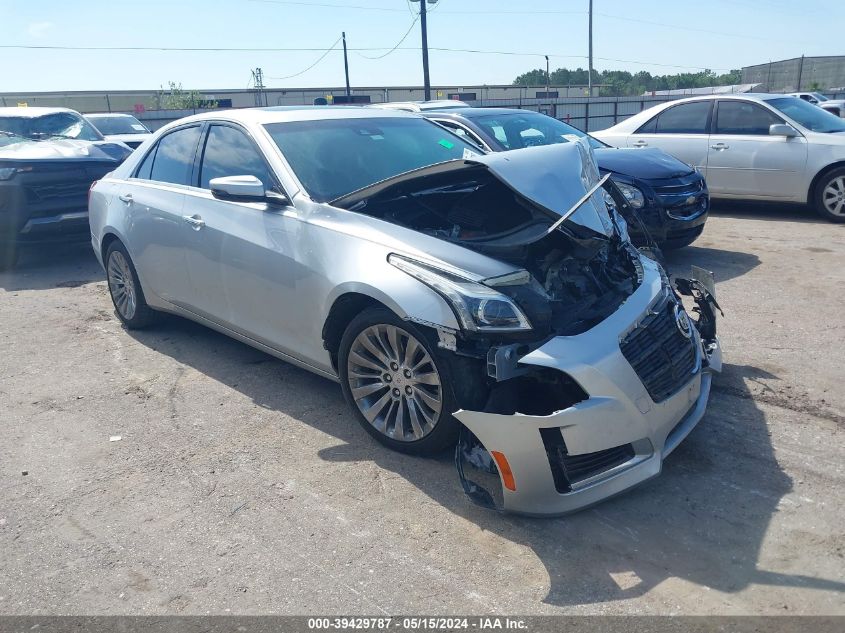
[
  {"x": 335, "y": 157},
  {"x": 819, "y": 97},
  {"x": 56, "y": 125},
  {"x": 810, "y": 116},
  {"x": 118, "y": 124},
  {"x": 526, "y": 129}
]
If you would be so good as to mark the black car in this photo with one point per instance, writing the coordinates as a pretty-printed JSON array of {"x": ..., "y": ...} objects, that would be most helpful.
[
  {"x": 669, "y": 196},
  {"x": 48, "y": 159}
]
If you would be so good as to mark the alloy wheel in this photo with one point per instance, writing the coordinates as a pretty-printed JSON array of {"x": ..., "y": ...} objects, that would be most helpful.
[
  {"x": 122, "y": 285},
  {"x": 394, "y": 383},
  {"x": 833, "y": 196}
]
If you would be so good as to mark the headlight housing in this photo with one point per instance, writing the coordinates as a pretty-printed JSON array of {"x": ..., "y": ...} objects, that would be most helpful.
[
  {"x": 633, "y": 195},
  {"x": 479, "y": 308}
]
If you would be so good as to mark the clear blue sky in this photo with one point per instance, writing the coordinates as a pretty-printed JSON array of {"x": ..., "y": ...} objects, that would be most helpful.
[{"x": 658, "y": 36}]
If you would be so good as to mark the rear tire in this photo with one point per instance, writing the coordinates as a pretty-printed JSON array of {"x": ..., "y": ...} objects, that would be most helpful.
[
  {"x": 829, "y": 196},
  {"x": 125, "y": 290},
  {"x": 398, "y": 386}
]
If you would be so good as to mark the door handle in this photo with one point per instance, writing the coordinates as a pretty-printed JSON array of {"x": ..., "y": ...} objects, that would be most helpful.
[
  {"x": 195, "y": 221},
  {"x": 719, "y": 146},
  {"x": 640, "y": 144},
  {"x": 125, "y": 197}
]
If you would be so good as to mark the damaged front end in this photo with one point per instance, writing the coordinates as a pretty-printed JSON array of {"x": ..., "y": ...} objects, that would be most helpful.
[
  {"x": 583, "y": 418},
  {"x": 580, "y": 369}
]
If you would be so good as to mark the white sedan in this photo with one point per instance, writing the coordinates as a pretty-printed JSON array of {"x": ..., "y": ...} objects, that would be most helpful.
[{"x": 752, "y": 147}]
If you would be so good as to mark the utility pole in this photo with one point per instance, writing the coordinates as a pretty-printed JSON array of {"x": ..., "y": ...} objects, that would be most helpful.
[
  {"x": 346, "y": 67},
  {"x": 590, "y": 40},
  {"x": 548, "y": 80},
  {"x": 424, "y": 29}
]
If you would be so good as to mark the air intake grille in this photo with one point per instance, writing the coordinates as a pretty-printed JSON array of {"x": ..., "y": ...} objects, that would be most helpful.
[{"x": 662, "y": 356}]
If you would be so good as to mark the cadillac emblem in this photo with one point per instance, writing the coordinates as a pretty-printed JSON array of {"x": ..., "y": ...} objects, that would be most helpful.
[{"x": 682, "y": 322}]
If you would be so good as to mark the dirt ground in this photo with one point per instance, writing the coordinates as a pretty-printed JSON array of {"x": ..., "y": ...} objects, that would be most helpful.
[{"x": 241, "y": 484}]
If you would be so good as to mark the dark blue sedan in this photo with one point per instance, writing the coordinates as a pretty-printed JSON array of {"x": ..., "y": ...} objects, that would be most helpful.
[{"x": 670, "y": 197}]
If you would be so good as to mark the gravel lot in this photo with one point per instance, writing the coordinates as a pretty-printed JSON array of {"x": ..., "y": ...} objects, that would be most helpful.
[{"x": 241, "y": 484}]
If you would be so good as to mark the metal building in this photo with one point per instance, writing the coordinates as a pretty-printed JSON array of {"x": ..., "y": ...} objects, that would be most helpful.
[{"x": 826, "y": 74}]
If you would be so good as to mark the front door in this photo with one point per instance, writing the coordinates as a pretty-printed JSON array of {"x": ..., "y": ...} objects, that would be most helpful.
[{"x": 242, "y": 257}]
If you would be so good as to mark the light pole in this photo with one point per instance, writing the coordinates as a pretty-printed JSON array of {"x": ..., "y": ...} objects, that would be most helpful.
[
  {"x": 590, "y": 52},
  {"x": 424, "y": 29},
  {"x": 548, "y": 80}
]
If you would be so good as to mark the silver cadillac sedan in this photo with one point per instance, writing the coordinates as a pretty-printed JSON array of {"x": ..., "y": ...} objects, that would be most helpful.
[{"x": 488, "y": 302}]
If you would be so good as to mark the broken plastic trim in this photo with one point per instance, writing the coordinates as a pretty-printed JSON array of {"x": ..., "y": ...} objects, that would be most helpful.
[{"x": 478, "y": 473}]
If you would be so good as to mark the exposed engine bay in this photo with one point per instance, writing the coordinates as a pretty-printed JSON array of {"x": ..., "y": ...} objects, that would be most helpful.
[{"x": 578, "y": 276}]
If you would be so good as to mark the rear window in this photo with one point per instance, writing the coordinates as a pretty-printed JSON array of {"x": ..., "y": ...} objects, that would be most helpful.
[
  {"x": 686, "y": 118},
  {"x": 334, "y": 157},
  {"x": 118, "y": 125},
  {"x": 174, "y": 156}
]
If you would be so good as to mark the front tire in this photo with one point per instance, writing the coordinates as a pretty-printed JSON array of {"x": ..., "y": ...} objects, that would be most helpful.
[
  {"x": 125, "y": 290},
  {"x": 829, "y": 198},
  {"x": 396, "y": 383}
]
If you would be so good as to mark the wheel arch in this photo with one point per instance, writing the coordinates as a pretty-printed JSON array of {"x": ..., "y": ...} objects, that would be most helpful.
[{"x": 817, "y": 179}]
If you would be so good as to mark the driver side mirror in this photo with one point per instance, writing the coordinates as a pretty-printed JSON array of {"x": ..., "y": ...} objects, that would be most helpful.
[
  {"x": 244, "y": 189},
  {"x": 782, "y": 129}
]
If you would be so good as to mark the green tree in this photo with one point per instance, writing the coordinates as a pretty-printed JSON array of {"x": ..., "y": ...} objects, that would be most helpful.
[
  {"x": 177, "y": 98},
  {"x": 624, "y": 83}
]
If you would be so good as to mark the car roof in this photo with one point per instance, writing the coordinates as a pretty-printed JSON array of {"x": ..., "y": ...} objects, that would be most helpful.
[
  {"x": 472, "y": 112},
  {"x": 421, "y": 106},
  {"x": 32, "y": 112},
  {"x": 286, "y": 114},
  {"x": 103, "y": 115}
]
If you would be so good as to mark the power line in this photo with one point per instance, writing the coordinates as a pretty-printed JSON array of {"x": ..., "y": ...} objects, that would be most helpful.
[
  {"x": 359, "y": 49},
  {"x": 326, "y": 5},
  {"x": 398, "y": 44},
  {"x": 319, "y": 59}
]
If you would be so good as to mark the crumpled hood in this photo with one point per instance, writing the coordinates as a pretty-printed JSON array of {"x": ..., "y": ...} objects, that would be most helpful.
[
  {"x": 646, "y": 163},
  {"x": 556, "y": 177},
  {"x": 64, "y": 149}
]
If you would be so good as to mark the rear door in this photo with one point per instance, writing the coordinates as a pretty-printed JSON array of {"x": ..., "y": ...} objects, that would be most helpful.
[
  {"x": 745, "y": 160},
  {"x": 682, "y": 130},
  {"x": 153, "y": 198},
  {"x": 241, "y": 258}
]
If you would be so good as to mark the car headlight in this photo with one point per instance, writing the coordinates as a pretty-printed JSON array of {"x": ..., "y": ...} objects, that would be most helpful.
[
  {"x": 7, "y": 172},
  {"x": 633, "y": 195},
  {"x": 478, "y": 307}
]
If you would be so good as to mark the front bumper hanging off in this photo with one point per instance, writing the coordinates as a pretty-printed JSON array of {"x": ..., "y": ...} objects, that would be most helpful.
[{"x": 614, "y": 439}]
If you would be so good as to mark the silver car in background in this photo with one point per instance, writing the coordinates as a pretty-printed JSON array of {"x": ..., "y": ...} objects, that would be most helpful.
[
  {"x": 749, "y": 146},
  {"x": 124, "y": 128},
  {"x": 491, "y": 300}
]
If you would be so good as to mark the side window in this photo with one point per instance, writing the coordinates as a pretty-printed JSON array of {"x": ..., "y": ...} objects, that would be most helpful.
[
  {"x": 648, "y": 128},
  {"x": 687, "y": 118},
  {"x": 230, "y": 152},
  {"x": 146, "y": 168},
  {"x": 460, "y": 131},
  {"x": 742, "y": 117},
  {"x": 174, "y": 156}
]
